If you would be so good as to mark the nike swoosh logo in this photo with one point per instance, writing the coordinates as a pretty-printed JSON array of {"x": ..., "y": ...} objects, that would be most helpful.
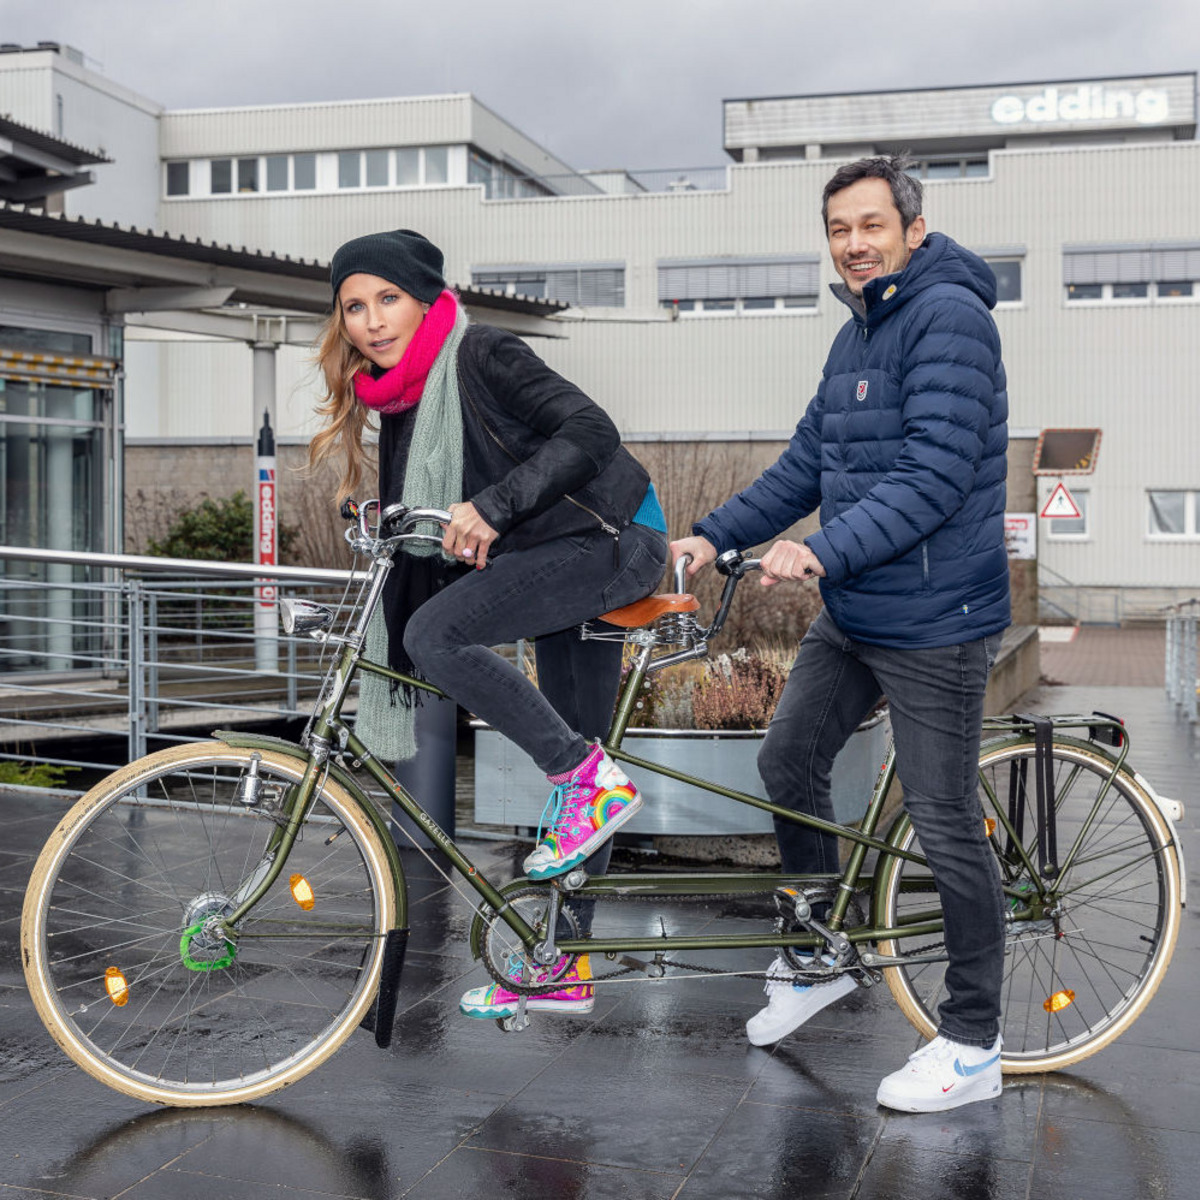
[
  {"x": 946, "y": 1089},
  {"x": 959, "y": 1069}
]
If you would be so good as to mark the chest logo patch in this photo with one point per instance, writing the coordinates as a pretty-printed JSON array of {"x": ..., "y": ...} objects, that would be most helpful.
[{"x": 862, "y": 390}]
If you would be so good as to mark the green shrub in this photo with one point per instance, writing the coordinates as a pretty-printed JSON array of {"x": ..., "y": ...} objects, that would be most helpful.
[
  {"x": 221, "y": 530},
  {"x": 44, "y": 775}
]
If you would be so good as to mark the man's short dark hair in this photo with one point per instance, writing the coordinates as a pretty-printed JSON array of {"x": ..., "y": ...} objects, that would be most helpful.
[{"x": 906, "y": 188}]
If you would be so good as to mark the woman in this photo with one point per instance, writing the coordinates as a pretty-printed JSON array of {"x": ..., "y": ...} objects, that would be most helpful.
[{"x": 541, "y": 493}]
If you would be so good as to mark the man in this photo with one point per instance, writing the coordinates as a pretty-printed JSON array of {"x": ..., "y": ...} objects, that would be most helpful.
[{"x": 903, "y": 447}]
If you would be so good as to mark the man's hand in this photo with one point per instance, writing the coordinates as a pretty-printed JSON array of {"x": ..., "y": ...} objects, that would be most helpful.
[
  {"x": 700, "y": 548},
  {"x": 787, "y": 561},
  {"x": 468, "y": 535}
]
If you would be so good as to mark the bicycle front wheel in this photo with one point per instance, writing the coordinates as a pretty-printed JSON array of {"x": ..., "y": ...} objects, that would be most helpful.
[
  {"x": 1082, "y": 964},
  {"x": 124, "y": 955}
]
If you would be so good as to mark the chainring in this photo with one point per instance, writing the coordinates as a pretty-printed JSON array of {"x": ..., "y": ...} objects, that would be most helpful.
[{"x": 503, "y": 953}]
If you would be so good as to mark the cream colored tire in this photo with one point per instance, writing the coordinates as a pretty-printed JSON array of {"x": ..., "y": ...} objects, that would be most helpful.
[
  {"x": 1108, "y": 946},
  {"x": 155, "y": 850}
]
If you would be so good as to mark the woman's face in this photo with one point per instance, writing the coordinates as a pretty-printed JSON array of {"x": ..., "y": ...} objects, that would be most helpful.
[{"x": 380, "y": 318}]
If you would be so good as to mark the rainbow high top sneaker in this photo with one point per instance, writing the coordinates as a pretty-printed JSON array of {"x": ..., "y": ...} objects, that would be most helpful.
[
  {"x": 574, "y": 995},
  {"x": 584, "y": 810}
]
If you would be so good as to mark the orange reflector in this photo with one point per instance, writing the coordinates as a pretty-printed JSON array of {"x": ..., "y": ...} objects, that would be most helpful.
[
  {"x": 989, "y": 825},
  {"x": 302, "y": 892},
  {"x": 115, "y": 985},
  {"x": 1059, "y": 1001}
]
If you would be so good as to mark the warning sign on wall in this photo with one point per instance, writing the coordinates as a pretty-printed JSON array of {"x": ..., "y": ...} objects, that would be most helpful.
[{"x": 1061, "y": 504}]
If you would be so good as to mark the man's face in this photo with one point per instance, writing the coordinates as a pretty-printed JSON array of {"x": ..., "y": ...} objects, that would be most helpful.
[{"x": 865, "y": 234}]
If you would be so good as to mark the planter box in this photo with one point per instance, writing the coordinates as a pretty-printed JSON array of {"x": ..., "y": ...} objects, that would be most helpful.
[{"x": 510, "y": 790}]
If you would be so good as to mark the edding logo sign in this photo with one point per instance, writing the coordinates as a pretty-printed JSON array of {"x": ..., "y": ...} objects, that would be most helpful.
[{"x": 1088, "y": 102}]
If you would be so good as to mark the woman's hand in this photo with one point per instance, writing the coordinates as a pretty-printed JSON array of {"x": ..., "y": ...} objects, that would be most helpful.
[
  {"x": 700, "y": 548},
  {"x": 468, "y": 536}
]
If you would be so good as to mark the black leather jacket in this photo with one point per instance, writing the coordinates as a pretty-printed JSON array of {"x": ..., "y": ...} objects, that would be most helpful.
[{"x": 541, "y": 460}]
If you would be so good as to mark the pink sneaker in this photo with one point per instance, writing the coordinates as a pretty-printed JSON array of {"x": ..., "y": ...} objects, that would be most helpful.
[
  {"x": 586, "y": 808},
  {"x": 574, "y": 996}
]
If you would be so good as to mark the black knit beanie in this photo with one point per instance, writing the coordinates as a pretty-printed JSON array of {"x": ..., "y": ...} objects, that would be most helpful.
[{"x": 402, "y": 257}]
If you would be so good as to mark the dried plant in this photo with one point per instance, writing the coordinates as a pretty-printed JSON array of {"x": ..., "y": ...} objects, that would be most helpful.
[
  {"x": 740, "y": 692},
  {"x": 733, "y": 691}
]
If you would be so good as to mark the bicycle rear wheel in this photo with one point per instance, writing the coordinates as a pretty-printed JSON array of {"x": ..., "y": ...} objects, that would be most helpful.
[
  {"x": 1079, "y": 969},
  {"x": 148, "y": 998}
]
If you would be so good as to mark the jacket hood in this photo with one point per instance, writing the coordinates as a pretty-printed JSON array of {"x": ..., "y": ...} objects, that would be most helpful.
[{"x": 938, "y": 259}]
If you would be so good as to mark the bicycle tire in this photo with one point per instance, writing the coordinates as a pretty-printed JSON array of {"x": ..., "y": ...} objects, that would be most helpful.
[
  {"x": 1106, "y": 951},
  {"x": 136, "y": 866}
]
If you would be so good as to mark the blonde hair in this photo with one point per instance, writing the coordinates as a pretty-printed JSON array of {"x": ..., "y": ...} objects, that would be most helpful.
[{"x": 346, "y": 418}]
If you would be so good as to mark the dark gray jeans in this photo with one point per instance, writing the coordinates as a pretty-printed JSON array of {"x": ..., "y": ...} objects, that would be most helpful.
[
  {"x": 936, "y": 701},
  {"x": 544, "y": 593}
]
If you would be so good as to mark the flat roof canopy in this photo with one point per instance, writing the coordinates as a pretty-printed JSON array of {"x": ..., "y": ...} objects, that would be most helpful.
[
  {"x": 167, "y": 283},
  {"x": 34, "y": 165}
]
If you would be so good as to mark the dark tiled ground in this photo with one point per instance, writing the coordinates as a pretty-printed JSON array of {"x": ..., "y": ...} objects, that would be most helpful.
[{"x": 655, "y": 1095}]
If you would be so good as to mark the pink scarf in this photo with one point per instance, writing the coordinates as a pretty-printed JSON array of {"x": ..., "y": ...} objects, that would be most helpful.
[{"x": 401, "y": 387}]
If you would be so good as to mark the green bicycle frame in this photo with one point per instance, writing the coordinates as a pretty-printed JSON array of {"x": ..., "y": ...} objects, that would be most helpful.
[{"x": 328, "y": 741}]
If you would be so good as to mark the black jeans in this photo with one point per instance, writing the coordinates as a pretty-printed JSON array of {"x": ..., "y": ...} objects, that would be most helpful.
[
  {"x": 936, "y": 701},
  {"x": 544, "y": 593}
]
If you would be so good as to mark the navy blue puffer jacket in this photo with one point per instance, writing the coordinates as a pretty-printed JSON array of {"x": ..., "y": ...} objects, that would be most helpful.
[{"x": 904, "y": 449}]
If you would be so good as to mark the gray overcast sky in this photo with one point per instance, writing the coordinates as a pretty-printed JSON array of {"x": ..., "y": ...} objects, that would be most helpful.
[{"x": 635, "y": 83}]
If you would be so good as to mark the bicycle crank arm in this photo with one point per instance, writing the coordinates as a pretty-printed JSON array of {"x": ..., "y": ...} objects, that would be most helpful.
[{"x": 869, "y": 959}]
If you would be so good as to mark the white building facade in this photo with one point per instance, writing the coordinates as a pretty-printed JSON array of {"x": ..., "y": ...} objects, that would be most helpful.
[{"x": 703, "y": 314}]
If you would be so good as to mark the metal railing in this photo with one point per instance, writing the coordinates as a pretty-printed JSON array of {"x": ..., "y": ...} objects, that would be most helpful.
[
  {"x": 1182, "y": 666},
  {"x": 145, "y": 652}
]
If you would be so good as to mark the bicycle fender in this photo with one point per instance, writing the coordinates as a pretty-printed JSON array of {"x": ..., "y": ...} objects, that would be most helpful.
[{"x": 258, "y": 741}]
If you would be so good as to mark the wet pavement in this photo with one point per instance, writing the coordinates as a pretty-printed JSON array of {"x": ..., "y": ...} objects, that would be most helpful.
[{"x": 655, "y": 1094}]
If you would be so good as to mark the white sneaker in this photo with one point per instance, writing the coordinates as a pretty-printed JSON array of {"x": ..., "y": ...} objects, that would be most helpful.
[
  {"x": 941, "y": 1075},
  {"x": 790, "y": 1004}
]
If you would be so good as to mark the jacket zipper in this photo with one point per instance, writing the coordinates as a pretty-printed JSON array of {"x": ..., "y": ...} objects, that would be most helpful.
[{"x": 611, "y": 530}]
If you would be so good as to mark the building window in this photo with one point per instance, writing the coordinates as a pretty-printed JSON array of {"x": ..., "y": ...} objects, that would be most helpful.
[
  {"x": 304, "y": 172},
  {"x": 178, "y": 181},
  {"x": 221, "y": 177},
  {"x": 501, "y": 181},
  {"x": 349, "y": 168},
  {"x": 1076, "y": 528},
  {"x": 247, "y": 174},
  {"x": 408, "y": 166},
  {"x": 53, "y": 437},
  {"x": 739, "y": 285},
  {"x": 277, "y": 172},
  {"x": 437, "y": 165},
  {"x": 1174, "y": 289},
  {"x": 377, "y": 167},
  {"x": 595, "y": 285},
  {"x": 954, "y": 167},
  {"x": 1151, "y": 272},
  {"x": 1173, "y": 514},
  {"x": 1008, "y": 279}
]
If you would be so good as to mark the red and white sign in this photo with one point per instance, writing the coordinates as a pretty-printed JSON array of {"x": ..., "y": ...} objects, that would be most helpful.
[
  {"x": 1020, "y": 534},
  {"x": 1061, "y": 504},
  {"x": 265, "y": 552}
]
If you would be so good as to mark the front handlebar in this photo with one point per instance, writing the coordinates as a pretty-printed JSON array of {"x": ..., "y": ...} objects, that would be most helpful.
[{"x": 394, "y": 524}]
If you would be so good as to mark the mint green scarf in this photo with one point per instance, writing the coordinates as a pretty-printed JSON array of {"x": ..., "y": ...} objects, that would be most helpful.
[{"x": 433, "y": 478}]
